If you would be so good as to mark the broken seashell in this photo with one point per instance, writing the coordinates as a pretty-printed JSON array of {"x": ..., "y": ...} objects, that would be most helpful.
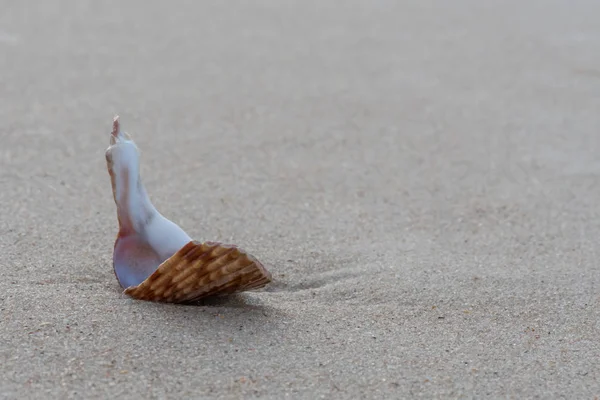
[{"x": 153, "y": 258}]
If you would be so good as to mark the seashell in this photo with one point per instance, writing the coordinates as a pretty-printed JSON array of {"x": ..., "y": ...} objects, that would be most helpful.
[{"x": 153, "y": 258}]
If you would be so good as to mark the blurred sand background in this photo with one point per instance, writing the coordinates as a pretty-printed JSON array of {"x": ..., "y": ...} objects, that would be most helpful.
[{"x": 421, "y": 178}]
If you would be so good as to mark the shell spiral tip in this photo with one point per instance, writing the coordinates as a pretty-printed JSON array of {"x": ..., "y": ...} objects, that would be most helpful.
[{"x": 116, "y": 128}]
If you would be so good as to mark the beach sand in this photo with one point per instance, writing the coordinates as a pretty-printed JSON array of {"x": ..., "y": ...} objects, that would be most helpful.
[{"x": 420, "y": 177}]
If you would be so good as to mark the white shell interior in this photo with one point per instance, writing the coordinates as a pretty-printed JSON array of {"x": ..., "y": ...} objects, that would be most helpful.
[{"x": 146, "y": 238}]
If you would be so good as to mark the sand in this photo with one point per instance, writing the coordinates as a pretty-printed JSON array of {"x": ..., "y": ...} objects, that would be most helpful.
[{"x": 421, "y": 178}]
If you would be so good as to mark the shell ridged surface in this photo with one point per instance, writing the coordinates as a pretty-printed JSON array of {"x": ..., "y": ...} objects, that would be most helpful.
[{"x": 199, "y": 270}]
